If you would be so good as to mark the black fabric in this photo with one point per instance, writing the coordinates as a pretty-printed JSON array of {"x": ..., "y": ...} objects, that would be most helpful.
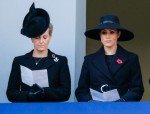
[
  {"x": 36, "y": 94},
  {"x": 109, "y": 60},
  {"x": 37, "y": 60},
  {"x": 120, "y": 100},
  {"x": 35, "y": 23},
  {"x": 58, "y": 77},
  {"x": 125, "y": 76}
]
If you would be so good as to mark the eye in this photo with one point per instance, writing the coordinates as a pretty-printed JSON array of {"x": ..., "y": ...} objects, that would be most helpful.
[
  {"x": 103, "y": 32},
  {"x": 45, "y": 37},
  {"x": 112, "y": 32}
]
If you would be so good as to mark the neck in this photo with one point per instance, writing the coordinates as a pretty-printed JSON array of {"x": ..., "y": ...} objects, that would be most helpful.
[
  {"x": 110, "y": 50},
  {"x": 40, "y": 54}
]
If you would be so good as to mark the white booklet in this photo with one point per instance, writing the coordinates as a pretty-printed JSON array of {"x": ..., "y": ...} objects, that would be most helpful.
[
  {"x": 111, "y": 95},
  {"x": 30, "y": 77}
]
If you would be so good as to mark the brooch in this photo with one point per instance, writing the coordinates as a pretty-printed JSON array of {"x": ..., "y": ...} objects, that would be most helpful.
[{"x": 55, "y": 58}]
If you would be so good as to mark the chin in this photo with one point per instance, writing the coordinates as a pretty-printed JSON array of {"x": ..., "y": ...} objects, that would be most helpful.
[
  {"x": 108, "y": 45},
  {"x": 42, "y": 50}
]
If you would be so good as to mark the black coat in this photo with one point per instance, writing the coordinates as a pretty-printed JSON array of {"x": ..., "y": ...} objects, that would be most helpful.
[
  {"x": 125, "y": 76},
  {"x": 58, "y": 77}
]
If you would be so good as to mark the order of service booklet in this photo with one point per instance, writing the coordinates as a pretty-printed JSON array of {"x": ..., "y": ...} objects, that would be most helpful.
[
  {"x": 31, "y": 77},
  {"x": 111, "y": 95}
]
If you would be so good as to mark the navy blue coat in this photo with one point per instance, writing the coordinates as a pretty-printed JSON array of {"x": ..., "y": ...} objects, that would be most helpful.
[
  {"x": 58, "y": 77},
  {"x": 124, "y": 75}
]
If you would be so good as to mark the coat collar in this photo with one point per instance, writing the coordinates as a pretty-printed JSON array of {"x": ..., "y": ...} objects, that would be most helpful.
[
  {"x": 119, "y": 60},
  {"x": 31, "y": 53},
  {"x": 50, "y": 60}
]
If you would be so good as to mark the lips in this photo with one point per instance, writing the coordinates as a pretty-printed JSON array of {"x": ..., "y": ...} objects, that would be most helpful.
[
  {"x": 41, "y": 45},
  {"x": 108, "y": 41}
]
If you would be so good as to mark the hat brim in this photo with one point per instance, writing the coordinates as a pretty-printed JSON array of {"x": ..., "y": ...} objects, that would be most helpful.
[{"x": 126, "y": 35}]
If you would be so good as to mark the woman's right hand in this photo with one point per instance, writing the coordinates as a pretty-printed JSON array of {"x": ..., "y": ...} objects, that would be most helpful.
[{"x": 36, "y": 94}]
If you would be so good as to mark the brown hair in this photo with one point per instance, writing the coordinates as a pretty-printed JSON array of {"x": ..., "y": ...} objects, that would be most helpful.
[{"x": 50, "y": 29}]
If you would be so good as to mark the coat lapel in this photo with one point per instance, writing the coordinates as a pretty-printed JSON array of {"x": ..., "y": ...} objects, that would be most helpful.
[
  {"x": 29, "y": 61},
  {"x": 50, "y": 60},
  {"x": 100, "y": 63},
  {"x": 119, "y": 60}
]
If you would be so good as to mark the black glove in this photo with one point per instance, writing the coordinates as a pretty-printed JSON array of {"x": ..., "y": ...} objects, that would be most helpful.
[
  {"x": 120, "y": 100},
  {"x": 93, "y": 101},
  {"x": 36, "y": 94}
]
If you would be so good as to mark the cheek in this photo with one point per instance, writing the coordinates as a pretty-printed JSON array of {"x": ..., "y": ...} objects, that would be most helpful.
[
  {"x": 34, "y": 42},
  {"x": 117, "y": 37},
  {"x": 47, "y": 41},
  {"x": 102, "y": 38}
]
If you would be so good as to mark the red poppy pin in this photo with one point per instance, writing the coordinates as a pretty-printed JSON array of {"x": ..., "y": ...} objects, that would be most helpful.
[
  {"x": 119, "y": 61},
  {"x": 53, "y": 56}
]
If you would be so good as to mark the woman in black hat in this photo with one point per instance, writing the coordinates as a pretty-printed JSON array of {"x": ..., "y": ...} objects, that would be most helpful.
[
  {"x": 40, "y": 75},
  {"x": 112, "y": 73}
]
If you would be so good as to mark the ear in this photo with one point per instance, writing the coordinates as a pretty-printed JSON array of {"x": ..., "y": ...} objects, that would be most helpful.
[{"x": 119, "y": 34}]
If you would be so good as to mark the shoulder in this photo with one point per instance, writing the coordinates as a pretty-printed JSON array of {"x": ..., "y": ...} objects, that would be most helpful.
[
  {"x": 23, "y": 57},
  {"x": 129, "y": 52},
  {"x": 61, "y": 57},
  {"x": 90, "y": 56},
  {"x": 125, "y": 52},
  {"x": 96, "y": 54},
  {"x": 132, "y": 55}
]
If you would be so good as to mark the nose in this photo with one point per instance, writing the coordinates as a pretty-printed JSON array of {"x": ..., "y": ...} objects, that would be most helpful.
[
  {"x": 107, "y": 35},
  {"x": 41, "y": 40}
]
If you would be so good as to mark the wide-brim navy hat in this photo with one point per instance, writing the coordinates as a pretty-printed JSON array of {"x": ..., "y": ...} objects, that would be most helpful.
[
  {"x": 35, "y": 23},
  {"x": 109, "y": 22}
]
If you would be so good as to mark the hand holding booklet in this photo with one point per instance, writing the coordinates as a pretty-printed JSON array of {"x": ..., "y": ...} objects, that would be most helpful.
[{"x": 111, "y": 95}]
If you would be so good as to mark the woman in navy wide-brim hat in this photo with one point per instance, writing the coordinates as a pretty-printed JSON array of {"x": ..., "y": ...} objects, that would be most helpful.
[
  {"x": 40, "y": 75},
  {"x": 109, "y": 22},
  {"x": 112, "y": 73}
]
